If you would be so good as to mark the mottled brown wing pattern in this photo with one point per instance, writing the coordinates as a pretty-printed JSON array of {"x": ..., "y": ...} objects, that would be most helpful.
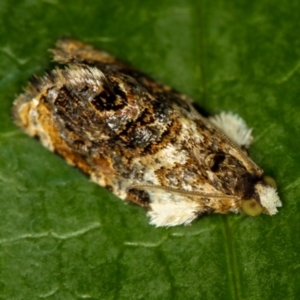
[{"x": 142, "y": 140}]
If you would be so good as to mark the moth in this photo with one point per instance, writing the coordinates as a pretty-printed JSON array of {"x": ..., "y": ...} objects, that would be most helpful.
[{"x": 143, "y": 140}]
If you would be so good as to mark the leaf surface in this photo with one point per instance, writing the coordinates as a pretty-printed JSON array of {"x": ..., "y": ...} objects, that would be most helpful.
[{"x": 63, "y": 237}]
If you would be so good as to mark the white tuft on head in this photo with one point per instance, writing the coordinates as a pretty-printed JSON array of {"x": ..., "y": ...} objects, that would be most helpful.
[
  {"x": 268, "y": 198},
  {"x": 234, "y": 127}
]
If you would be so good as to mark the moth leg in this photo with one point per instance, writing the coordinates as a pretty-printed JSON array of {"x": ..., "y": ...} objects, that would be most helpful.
[
  {"x": 72, "y": 51},
  {"x": 165, "y": 208},
  {"x": 172, "y": 213},
  {"x": 234, "y": 127}
]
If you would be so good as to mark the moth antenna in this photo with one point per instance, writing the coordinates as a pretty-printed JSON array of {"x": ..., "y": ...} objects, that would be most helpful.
[{"x": 182, "y": 191}]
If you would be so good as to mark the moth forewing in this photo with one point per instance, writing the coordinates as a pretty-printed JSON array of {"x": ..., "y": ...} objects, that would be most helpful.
[{"x": 142, "y": 140}]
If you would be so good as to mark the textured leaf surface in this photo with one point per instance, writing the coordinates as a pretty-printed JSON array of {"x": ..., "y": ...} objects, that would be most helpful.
[{"x": 63, "y": 237}]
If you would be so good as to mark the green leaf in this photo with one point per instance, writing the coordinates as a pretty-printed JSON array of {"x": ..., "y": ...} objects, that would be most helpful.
[{"x": 63, "y": 237}]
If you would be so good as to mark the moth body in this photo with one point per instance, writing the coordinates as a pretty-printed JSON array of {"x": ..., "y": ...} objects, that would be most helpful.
[{"x": 142, "y": 140}]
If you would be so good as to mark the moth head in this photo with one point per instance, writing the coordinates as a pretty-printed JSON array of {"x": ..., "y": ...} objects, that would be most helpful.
[{"x": 266, "y": 200}]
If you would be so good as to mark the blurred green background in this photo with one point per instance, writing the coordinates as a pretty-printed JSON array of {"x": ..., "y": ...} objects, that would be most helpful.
[{"x": 63, "y": 237}]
